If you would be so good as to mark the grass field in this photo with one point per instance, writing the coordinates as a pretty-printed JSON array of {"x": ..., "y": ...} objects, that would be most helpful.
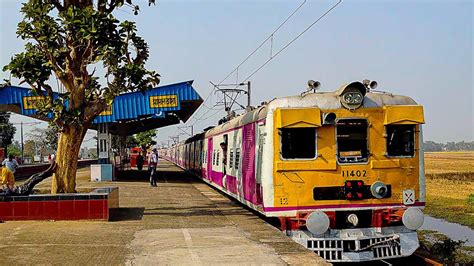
[{"x": 450, "y": 186}]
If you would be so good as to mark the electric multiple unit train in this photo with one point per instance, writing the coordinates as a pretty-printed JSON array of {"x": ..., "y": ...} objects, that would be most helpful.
[{"x": 343, "y": 171}]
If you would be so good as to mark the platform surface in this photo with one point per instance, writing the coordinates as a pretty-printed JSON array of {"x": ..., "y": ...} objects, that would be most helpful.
[{"x": 183, "y": 221}]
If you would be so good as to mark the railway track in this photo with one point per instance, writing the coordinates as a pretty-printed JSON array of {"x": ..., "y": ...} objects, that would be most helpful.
[{"x": 25, "y": 171}]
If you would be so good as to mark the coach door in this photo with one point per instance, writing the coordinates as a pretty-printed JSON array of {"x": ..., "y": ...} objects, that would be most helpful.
[
  {"x": 260, "y": 142},
  {"x": 248, "y": 163},
  {"x": 209, "y": 158}
]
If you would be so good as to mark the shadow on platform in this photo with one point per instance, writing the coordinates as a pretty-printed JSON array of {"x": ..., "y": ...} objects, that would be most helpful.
[
  {"x": 163, "y": 176},
  {"x": 203, "y": 210},
  {"x": 126, "y": 214}
]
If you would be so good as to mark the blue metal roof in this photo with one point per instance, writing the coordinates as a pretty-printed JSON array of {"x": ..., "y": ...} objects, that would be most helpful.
[
  {"x": 136, "y": 104},
  {"x": 12, "y": 95},
  {"x": 154, "y": 103}
]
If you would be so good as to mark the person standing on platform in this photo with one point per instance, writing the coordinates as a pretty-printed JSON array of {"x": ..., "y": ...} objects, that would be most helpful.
[
  {"x": 152, "y": 163},
  {"x": 140, "y": 161},
  {"x": 10, "y": 163},
  {"x": 7, "y": 180}
]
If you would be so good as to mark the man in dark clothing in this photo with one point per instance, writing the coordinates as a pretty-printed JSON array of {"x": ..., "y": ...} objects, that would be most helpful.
[{"x": 140, "y": 162}]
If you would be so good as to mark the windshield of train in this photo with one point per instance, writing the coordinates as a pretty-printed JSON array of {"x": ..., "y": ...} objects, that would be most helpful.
[
  {"x": 352, "y": 141},
  {"x": 401, "y": 140},
  {"x": 298, "y": 143}
]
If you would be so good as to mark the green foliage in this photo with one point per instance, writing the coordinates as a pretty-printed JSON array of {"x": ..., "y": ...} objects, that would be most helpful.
[
  {"x": 14, "y": 149},
  {"x": 7, "y": 130},
  {"x": 129, "y": 142},
  {"x": 447, "y": 248},
  {"x": 64, "y": 39},
  {"x": 89, "y": 153},
  {"x": 443, "y": 249},
  {"x": 29, "y": 148},
  {"x": 51, "y": 136},
  {"x": 145, "y": 139},
  {"x": 453, "y": 210}
]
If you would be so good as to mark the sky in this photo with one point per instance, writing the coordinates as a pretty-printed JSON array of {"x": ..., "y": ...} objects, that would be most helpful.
[{"x": 422, "y": 49}]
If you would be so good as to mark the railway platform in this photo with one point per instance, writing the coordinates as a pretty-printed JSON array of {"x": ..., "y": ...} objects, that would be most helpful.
[{"x": 182, "y": 221}]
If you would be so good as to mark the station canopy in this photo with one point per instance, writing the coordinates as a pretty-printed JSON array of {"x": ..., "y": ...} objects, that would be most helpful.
[{"x": 129, "y": 113}]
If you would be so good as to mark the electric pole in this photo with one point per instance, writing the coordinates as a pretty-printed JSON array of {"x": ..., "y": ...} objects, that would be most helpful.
[
  {"x": 22, "y": 146},
  {"x": 248, "y": 94},
  {"x": 231, "y": 95}
]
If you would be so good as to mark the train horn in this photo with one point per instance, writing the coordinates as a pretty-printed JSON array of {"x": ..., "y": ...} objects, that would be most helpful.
[
  {"x": 313, "y": 85},
  {"x": 329, "y": 119}
]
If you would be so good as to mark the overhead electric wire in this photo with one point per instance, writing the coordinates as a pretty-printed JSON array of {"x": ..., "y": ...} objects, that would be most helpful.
[
  {"x": 292, "y": 41},
  {"x": 209, "y": 109},
  {"x": 248, "y": 56},
  {"x": 260, "y": 46},
  {"x": 272, "y": 56}
]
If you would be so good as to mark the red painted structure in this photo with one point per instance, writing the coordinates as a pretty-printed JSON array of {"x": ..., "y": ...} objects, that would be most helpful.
[
  {"x": 95, "y": 205},
  {"x": 134, "y": 152}
]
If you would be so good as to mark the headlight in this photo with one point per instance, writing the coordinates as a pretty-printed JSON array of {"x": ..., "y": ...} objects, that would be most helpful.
[
  {"x": 378, "y": 189},
  {"x": 317, "y": 222},
  {"x": 352, "y": 95},
  {"x": 353, "y": 98},
  {"x": 413, "y": 218}
]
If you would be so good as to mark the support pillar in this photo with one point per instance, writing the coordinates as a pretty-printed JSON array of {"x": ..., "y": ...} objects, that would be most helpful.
[
  {"x": 104, "y": 141},
  {"x": 104, "y": 171}
]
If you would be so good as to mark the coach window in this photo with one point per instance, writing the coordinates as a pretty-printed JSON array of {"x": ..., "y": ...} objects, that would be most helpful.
[
  {"x": 237, "y": 158},
  {"x": 298, "y": 143},
  {"x": 400, "y": 140},
  {"x": 231, "y": 159},
  {"x": 224, "y": 144},
  {"x": 352, "y": 141}
]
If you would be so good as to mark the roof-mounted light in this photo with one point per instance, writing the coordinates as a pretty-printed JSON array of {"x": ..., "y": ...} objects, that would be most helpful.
[{"x": 352, "y": 95}]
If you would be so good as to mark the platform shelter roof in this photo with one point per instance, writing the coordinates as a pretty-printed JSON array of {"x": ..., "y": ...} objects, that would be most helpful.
[{"x": 129, "y": 113}]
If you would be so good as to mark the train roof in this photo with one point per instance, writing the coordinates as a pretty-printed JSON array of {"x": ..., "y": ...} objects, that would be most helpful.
[{"x": 321, "y": 100}]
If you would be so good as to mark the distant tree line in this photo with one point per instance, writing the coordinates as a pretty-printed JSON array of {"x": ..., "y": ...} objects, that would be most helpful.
[{"x": 449, "y": 146}]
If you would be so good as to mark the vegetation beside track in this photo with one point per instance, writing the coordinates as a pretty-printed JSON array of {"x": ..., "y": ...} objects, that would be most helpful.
[
  {"x": 450, "y": 186},
  {"x": 441, "y": 248}
]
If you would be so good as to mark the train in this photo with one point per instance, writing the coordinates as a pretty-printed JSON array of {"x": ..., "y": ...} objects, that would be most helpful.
[{"x": 342, "y": 171}]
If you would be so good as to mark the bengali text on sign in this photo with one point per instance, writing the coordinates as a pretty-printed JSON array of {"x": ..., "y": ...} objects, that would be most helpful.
[
  {"x": 31, "y": 102},
  {"x": 164, "y": 101}
]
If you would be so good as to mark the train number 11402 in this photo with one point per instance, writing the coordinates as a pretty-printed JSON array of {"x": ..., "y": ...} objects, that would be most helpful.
[{"x": 352, "y": 173}]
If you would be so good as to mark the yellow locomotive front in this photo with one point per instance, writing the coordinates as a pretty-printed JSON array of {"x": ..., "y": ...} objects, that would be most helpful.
[{"x": 348, "y": 172}]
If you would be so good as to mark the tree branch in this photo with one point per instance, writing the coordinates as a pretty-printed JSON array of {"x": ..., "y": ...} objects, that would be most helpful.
[
  {"x": 94, "y": 108},
  {"x": 35, "y": 88},
  {"x": 113, "y": 4},
  {"x": 58, "y": 5},
  {"x": 102, "y": 5},
  {"x": 49, "y": 90}
]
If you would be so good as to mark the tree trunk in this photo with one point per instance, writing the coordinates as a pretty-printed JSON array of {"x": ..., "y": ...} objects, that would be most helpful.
[{"x": 69, "y": 144}]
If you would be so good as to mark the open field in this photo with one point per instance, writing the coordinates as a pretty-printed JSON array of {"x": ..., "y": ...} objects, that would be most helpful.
[
  {"x": 450, "y": 186},
  {"x": 449, "y": 162}
]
